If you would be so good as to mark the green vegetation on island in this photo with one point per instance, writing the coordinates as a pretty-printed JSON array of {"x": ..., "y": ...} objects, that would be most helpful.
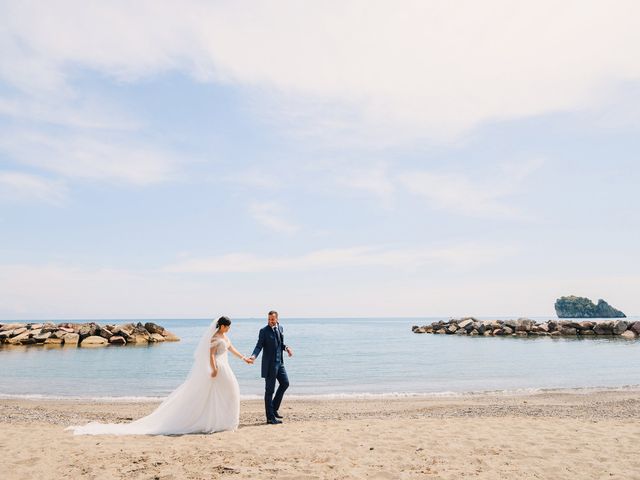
[{"x": 582, "y": 307}]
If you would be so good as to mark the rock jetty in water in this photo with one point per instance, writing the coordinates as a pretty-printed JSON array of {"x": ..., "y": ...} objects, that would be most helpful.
[
  {"x": 524, "y": 327},
  {"x": 582, "y": 307},
  {"x": 83, "y": 334}
]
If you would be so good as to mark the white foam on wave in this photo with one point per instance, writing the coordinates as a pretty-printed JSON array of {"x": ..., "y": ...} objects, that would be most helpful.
[
  {"x": 34, "y": 396},
  {"x": 338, "y": 396},
  {"x": 455, "y": 394}
]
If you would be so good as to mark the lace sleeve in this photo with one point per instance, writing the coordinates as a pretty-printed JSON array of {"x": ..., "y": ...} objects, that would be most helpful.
[{"x": 217, "y": 344}]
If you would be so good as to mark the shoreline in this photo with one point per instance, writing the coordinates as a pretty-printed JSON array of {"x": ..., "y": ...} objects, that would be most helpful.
[
  {"x": 599, "y": 404},
  {"x": 364, "y": 396},
  {"x": 549, "y": 435}
]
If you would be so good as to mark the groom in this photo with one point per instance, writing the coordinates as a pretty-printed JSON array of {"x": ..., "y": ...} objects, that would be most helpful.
[{"x": 271, "y": 340}]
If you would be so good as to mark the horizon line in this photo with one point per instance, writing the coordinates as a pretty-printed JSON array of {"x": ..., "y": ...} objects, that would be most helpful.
[{"x": 291, "y": 317}]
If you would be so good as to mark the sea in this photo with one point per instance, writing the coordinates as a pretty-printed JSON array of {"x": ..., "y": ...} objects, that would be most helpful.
[{"x": 333, "y": 358}]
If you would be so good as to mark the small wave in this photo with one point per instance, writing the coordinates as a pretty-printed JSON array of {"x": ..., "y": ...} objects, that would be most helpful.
[
  {"x": 371, "y": 395},
  {"x": 341, "y": 396},
  {"x": 453, "y": 394},
  {"x": 107, "y": 399}
]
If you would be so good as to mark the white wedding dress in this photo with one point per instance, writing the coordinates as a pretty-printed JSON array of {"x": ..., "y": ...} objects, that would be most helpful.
[{"x": 202, "y": 404}]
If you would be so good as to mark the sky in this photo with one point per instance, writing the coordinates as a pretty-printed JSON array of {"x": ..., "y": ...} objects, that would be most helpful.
[{"x": 188, "y": 159}]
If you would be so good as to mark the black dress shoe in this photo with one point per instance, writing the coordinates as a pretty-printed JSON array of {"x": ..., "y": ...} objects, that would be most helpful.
[
  {"x": 274, "y": 421},
  {"x": 277, "y": 415}
]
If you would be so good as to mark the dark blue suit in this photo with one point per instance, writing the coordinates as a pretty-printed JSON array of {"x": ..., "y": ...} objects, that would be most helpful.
[{"x": 273, "y": 347}]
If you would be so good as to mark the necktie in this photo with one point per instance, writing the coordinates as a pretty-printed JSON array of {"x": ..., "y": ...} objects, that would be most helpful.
[{"x": 275, "y": 330}]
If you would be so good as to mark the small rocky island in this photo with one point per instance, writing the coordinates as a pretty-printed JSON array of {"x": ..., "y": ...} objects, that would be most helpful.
[
  {"x": 582, "y": 307},
  {"x": 83, "y": 334},
  {"x": 524, "y": 327}
]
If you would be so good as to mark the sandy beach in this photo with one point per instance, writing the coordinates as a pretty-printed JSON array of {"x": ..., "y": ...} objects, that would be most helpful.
[{"x": 493, "y": 436}]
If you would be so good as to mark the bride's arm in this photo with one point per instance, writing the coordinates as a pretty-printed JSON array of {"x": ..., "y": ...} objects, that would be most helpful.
[
  {"x": 212, "y": 360},
  {"x": 233, "y": 350},
  {"x": 259, "y": 345}
]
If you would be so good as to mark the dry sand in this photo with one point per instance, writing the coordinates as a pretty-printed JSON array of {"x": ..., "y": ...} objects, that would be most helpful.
[{"x": 541, "y": 436}]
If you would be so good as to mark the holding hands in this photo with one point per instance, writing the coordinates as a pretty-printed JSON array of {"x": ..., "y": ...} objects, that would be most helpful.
[{"x": 251, "y": 360}]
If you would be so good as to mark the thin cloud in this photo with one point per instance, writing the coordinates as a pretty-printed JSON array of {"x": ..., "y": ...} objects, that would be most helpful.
[
  {"x": 253, "y": 178},
  {"x": 88, "y": 157},
  {"x": 20, "y": 187},
  {"x": 375, "y": 180},
  {"x": 70, "y": 291},
  {"x": 465, "y": 195},
  {"x": 464, "y": 256},
  {"x": 270, "y": 215},
  {"x": 409, "y": 71},
  {"x": 59, "y": 110},
  {"x": 73, "y": 291},
  {"x": 457, "y": 194}
]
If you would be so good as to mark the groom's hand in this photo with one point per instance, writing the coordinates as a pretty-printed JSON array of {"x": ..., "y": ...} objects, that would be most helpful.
[
  {"x": 251, "y": 359},
  {"x": 289, "y": 351}
]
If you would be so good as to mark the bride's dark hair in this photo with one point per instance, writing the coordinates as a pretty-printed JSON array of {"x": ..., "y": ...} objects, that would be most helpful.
[{"x": 223, "y": 321}]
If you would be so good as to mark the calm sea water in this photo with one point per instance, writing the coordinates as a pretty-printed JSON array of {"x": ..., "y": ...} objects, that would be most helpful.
[{"x": 333, "y": 357}]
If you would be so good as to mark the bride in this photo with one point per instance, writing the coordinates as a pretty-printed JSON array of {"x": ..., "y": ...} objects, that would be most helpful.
[{"x": 208, "y": 400}]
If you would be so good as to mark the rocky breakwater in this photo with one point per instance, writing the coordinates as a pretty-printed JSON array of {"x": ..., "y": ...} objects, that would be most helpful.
[
  {"x": 83, "y": 334},
  {"x": 524, "y": 327}
]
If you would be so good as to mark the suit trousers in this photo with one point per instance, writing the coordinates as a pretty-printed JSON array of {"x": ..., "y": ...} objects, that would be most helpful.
[{"x": 271, "y": 402}]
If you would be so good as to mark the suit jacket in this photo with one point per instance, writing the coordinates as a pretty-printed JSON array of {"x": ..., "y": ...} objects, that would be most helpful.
[{"x": 268, "y": 344}]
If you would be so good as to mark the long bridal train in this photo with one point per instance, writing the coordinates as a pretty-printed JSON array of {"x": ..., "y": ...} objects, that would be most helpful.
[{"x": 202, "y": 404}]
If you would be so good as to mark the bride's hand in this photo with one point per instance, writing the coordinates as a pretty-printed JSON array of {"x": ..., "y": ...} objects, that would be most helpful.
[{"x": 214, "y": 372}]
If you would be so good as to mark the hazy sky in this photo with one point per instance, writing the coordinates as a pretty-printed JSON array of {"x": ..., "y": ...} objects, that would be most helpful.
[{"x": 191, "y": 158}]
